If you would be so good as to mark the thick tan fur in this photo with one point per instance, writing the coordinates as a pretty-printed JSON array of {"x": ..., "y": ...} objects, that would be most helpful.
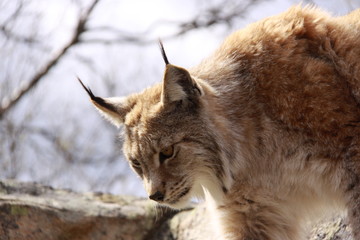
[{"x": 267, "y": 129}]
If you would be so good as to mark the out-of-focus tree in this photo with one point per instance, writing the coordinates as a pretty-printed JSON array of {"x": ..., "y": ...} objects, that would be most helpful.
[{"x": 62, "y": 146}]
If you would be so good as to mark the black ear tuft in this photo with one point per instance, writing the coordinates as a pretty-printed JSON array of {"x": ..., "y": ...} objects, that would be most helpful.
[
  {"x": 98, "y": 101},
  {"x": 87, "y": 89},
  {"x": 163, "y": 52}
]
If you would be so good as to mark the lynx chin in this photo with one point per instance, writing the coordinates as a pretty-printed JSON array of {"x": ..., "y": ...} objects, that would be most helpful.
[{"x": 266, "y": 129}]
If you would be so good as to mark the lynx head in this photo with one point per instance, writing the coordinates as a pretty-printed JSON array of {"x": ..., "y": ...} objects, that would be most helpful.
[{"x": 167, "y": 142}]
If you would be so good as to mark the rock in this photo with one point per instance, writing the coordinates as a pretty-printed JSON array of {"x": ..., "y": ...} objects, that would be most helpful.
[{"x": 32, "y": 211}]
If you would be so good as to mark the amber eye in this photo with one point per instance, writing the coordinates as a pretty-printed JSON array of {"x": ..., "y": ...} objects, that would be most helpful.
[
  {"x": 166, "y": 153},
  {"x": 136, "y": 165}
]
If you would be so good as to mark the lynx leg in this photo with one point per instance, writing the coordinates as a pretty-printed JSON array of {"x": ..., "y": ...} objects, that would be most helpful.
[
  {"x": 249, "y": 220},
  {"x": 352, "y": 185}
]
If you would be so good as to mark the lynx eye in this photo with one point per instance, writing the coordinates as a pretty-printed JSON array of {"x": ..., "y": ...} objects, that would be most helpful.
[
  {"x": 166, "y": 153},
  {"x": 136, "y": 165}
]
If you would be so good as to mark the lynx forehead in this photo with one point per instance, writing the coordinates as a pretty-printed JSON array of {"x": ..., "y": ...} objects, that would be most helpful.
[{"x": 266, "y": 129}]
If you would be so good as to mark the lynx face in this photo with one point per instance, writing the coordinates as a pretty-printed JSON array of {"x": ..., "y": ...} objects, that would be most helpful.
[
  {"x": 167, "y": 142},
  {"x": 164, "y": 151}
]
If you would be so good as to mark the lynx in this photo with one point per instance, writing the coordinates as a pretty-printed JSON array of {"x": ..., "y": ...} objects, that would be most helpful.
[{"x": 266, "y": 129}]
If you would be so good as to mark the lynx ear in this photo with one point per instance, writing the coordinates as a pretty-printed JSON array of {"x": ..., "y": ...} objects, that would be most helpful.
[
  {"x": 113, "y": 109},
  {"x": 178, "y": 85}
]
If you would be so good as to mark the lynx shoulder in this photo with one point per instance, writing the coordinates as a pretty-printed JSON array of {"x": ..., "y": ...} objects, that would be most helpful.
[{"x": 266, "y": 129}]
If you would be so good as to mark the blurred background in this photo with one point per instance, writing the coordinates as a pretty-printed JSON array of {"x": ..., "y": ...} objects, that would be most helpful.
[{"x": 49, "y": 131}]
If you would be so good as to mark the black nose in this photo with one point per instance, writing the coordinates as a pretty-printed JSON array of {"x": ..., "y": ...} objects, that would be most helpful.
[{"x": 158, "y": 196}]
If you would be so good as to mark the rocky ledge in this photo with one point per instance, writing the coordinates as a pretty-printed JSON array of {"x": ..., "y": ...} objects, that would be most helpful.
[{"x": 32, "y": 211}]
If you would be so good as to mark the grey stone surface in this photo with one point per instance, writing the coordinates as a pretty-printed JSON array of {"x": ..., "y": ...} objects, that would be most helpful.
[{"x": 32, "y": 211}]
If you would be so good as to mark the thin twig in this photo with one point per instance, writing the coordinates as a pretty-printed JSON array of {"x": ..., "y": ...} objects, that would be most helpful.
[
  {"x": 6, "y": 105},
  {"x": 211, "y": 17}
]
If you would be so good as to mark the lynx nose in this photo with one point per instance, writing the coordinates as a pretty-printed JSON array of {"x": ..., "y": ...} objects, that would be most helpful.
[{"x": 158, "y": 196}]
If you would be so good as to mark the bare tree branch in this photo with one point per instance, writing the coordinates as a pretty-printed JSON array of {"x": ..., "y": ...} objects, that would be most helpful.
[
  {"x": 14, "y": 14},
  {"x": 9, "y": 102},
  {"x": 211, "y": 17},
  {"x": 7, "y": 24},
  {"x": 9, "y": 34}
]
